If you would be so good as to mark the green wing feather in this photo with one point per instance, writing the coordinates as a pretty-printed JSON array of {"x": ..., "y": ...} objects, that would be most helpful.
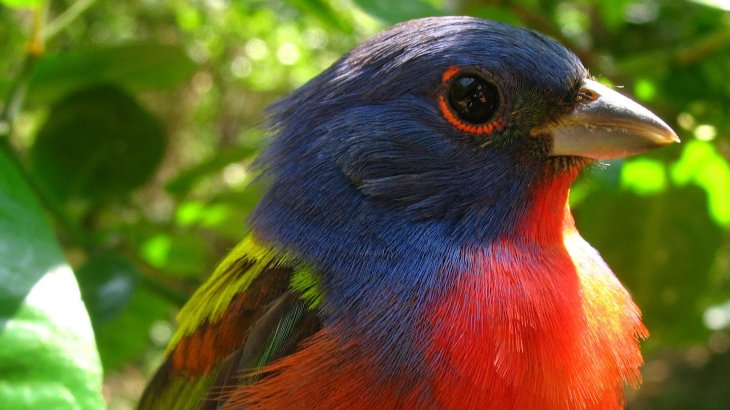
[{"x": 255, "y": 308}]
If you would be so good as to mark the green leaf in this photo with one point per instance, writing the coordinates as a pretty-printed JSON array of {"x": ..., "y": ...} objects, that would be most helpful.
[
  {"x": 662, "y": 248},
  {"x": 187, "y": 179},
  {"x": 135, "y": 66},
  {"x": 644, "y": 176},
  {"x": 181, "y": 254},
  {"x": 107, "y": 282},
  {"x": 496, "y": 13},
  {"x": 225, "y": 216},
  {"x": 645, "y": 89},
  {"x": 26, "y": 4},
  {"x": 393, "y": 12},
  {"x": 48, "y": 358},
  {"x": 325, "y": 13},
  {"x": 612, "y": 13},
  {"x": 127, "y": 336},
  {"x": 701, "y": 164},
  {"x": 98, "y": 142}
]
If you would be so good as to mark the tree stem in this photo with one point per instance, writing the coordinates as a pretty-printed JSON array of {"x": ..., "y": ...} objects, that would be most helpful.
[{"x": 67, "y": 17}]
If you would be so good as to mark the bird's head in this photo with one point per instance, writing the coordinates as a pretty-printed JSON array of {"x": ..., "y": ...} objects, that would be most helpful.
[{"x": 450, "y": 120}]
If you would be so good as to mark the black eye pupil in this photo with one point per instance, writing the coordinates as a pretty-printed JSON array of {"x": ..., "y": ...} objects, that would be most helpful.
[{"x": 473, "y": 99}]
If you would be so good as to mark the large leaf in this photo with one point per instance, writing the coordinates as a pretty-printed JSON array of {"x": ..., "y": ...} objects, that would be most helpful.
[
  {"x": 48, "y": 358},
  {"x": 107, "y": 284},
  {"x": 393, "y": 12},
  {"x": 661, "y": 246},
  {"x": 325, "y": 13},
  {"x": 134, "y": 66},
  {"x": 98, "y": 142},
  {"x": 127, "y": 336},
  {"x": 186, "y": 180}
]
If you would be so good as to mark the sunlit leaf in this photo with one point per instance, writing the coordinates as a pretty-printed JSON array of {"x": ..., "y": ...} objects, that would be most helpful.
[
  {"x": 156, "y": 250},
  {"x": 703, "y": 166},
  {"x": 194, "y": 212},
  {"x": 188, "y": 17},
  {"x": 48, "y": 358},
  {"x": 718, "y": 4},
  {"x": 644, "y": 89},
  {"x": 22, "y": 3},
  {"x": 644, "y": 176},
  {"x": 189, "y": 213},
  {"x": 180, "y": 254}
]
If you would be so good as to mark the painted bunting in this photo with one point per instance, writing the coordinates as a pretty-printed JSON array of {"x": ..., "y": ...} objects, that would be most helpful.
[{"x": 414, "y": 247}]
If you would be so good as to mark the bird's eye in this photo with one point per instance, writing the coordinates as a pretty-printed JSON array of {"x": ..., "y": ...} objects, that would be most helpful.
[
  {"x": 469, "y": 101},
  {"x": 473, "y": 99}
]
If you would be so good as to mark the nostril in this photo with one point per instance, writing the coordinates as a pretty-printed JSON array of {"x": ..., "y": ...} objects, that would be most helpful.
[{"x": 586, "y": 95}]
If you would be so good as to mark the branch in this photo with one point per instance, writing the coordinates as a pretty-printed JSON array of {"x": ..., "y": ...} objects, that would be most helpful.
[{"x": 67, "y": 17}]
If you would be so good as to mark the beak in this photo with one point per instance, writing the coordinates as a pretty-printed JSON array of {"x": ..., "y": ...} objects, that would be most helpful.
[{"x": 605, "y": 125}]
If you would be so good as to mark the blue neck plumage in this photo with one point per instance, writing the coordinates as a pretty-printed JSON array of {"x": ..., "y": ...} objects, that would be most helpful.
[{"x": 386, "y": 218}]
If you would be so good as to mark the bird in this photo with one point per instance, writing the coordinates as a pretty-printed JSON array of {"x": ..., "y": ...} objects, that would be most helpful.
[{"x": 414, "y": 247}]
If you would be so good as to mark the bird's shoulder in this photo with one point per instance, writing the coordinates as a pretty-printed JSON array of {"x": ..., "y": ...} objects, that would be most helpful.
[{"x": 258, "y": 304}]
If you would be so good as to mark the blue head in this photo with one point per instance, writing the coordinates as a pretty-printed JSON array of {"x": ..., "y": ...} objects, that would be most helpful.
[{"x": 368, "y": 140}]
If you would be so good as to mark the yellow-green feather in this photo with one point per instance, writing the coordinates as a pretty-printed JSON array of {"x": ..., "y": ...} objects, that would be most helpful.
[
  {"x": 306, "y": 281},
  {"x": 233, "y": 275},
  {"x": 183, "y": 394},
  {"x": 211, "y": 300}
]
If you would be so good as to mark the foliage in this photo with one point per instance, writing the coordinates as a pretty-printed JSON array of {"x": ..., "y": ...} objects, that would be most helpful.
[
  {"x": 135, "y": 123},
  {"x": 48, "y": 359}
]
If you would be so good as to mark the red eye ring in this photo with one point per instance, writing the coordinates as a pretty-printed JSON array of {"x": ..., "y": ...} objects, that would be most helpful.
[
  {"x": 478, "y": 99},
  {"x": 450, "y": 72}
]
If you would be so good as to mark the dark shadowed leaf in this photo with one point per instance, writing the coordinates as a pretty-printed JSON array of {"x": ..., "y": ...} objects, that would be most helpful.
[
  {"x": 48, "y": 358},
  {"x": 496, "y": 13},
  {"x": 134, "y": 66},
  {"x": 668, "y": 278},
  {"x": 699, "y": 378},
  {"x": 325, "y": 13},
  {"x": 392, "y": 12},
  {"x": 107, "y": 283},
  {"x": 187, "y": 179},
  {"x": 127, "y": 336},
  {"x": 98, "y": 142}
]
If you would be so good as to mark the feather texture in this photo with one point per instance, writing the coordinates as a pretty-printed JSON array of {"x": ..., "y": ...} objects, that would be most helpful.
[
  {"x": 399, "y": 262},
  {"x": 253, "y": 310}
]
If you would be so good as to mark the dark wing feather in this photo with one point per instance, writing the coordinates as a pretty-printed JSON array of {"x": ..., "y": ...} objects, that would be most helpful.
[{"x": 262, "y": 324}]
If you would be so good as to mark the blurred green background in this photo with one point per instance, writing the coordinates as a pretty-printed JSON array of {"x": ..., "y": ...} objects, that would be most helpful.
[{"x": 132, "y": 125}]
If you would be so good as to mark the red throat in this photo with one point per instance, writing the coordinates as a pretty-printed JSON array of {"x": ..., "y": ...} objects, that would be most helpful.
[{"x": 538, "y": 321}]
